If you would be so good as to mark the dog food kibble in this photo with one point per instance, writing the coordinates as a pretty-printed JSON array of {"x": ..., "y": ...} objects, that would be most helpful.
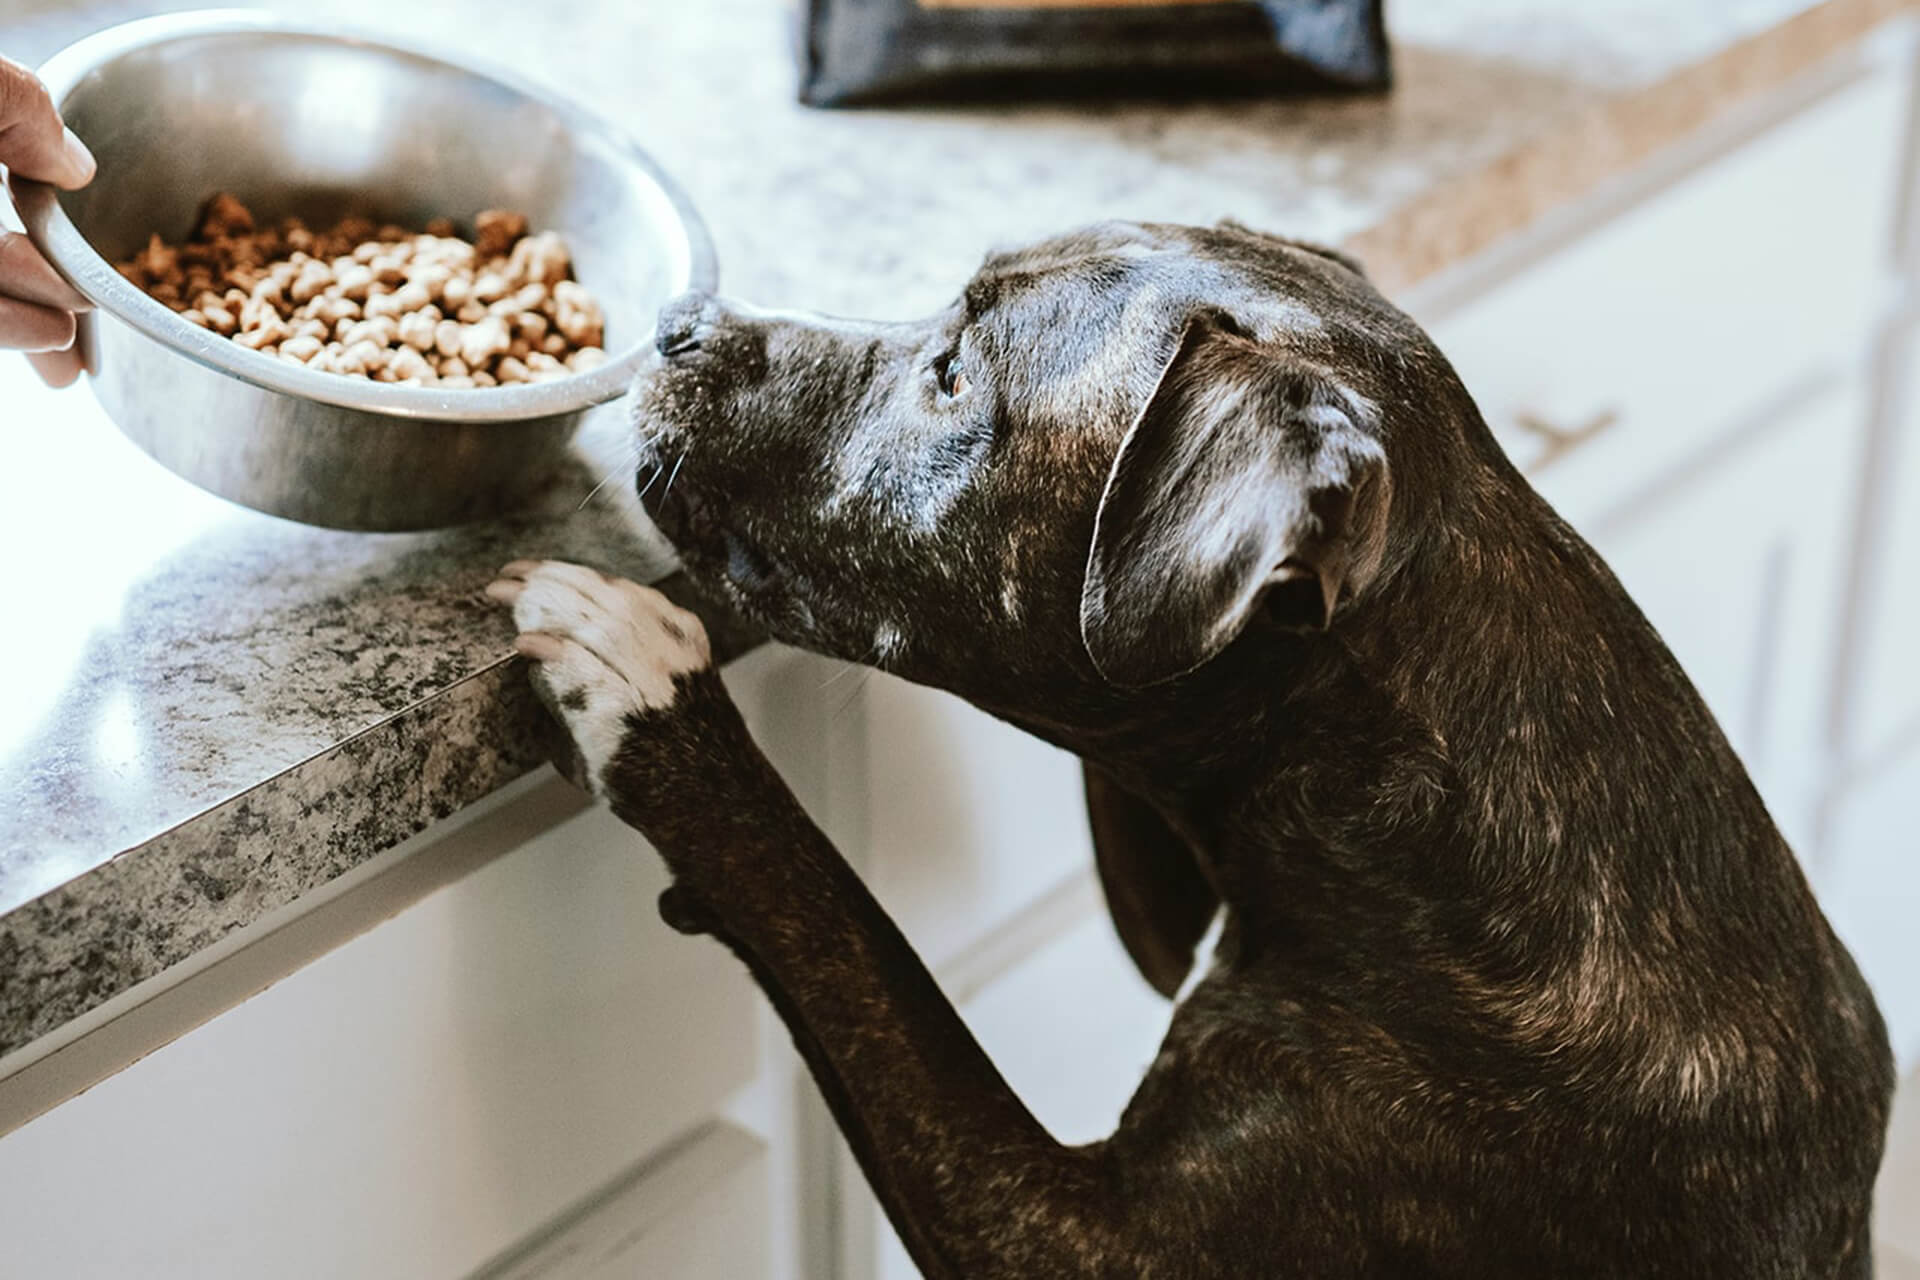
[{"x": 420, "y": 308}]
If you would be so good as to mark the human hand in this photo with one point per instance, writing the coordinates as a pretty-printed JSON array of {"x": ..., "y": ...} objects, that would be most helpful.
[{"x": 36, "y": 306}]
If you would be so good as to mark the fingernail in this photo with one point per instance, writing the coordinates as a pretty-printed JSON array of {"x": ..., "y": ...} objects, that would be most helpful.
[{"x": 81, "y": 165}]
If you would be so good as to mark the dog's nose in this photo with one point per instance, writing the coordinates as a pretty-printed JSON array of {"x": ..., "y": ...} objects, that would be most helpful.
[{"x": 684, "y": 323}]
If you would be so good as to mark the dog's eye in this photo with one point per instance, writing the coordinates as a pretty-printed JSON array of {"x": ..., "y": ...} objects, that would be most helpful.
[{"x": 948, "y": 376}]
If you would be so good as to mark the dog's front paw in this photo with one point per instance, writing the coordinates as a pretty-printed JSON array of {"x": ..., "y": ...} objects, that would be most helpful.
[{"x": 605, "y": 651}]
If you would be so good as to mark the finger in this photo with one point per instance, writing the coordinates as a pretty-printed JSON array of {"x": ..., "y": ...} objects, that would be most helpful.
[
  {"x": 28, "y": 326},
  {"x": 505, "y": 590},
  {"x": 57, "y": 368},
  {"x": 33, "y": 141},
  {"x": 26, "y": 275}
]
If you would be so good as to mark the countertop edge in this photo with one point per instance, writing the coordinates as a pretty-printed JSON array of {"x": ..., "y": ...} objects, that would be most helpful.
[
  {"x": 1457, "y": 221},
  {"x": 263, "y": 848}
]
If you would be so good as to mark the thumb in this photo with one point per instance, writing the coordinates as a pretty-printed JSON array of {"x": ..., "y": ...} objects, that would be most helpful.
[{"x": 33, "y": 141}]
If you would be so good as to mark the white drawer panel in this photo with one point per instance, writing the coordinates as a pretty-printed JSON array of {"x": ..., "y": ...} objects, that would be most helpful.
[
  {"x": 1870, "y": 890},
  {"x": 412, "y": 1103},
  {"x": 1886, "y": 683},
  {"x": 1694, "y": 308},
  {"x": 697, "y": 1213},
  {"x": 969, "y": 819}
]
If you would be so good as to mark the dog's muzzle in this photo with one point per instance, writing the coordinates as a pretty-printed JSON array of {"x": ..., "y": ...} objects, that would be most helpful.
[{"x": 685, "y": 324}]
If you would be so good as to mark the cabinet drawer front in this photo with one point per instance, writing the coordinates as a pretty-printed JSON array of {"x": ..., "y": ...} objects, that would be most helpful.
[
  {"x": 1870, "y": 890},
  {"x": 969, "y": 819},
  {"x": 697, "y": 1212},
  {"x": 1646, "y": 338},
  {"x": 410, "y": 1104},
  {"x": 1885, "y": 691}
]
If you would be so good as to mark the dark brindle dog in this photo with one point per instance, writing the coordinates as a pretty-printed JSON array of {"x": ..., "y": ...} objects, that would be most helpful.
[{"x": 1516, "y": 977}]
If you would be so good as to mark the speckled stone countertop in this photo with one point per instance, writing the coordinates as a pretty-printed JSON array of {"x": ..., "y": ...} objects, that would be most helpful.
[{"x": 207, "y": 713}]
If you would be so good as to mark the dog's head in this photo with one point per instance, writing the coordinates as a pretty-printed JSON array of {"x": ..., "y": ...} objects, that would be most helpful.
[{"x": 1110, "y": 456}]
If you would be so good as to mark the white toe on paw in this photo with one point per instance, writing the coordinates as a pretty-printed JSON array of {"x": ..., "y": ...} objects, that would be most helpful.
[{"x": 606, "y": 648}]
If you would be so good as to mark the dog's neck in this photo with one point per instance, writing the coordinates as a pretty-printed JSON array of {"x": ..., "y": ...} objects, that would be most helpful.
[{"x": 1489, "y": 778}]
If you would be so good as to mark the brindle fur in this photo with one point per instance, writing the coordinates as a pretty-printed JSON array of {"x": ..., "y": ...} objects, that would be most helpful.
[{"x": 1517, "y": 979}]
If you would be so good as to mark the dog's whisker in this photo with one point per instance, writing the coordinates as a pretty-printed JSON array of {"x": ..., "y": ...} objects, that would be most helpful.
[
  {"x": 605, "y": 481},
  {"x": 670, "y": 478},
  {"x": 866, "y": 673}
]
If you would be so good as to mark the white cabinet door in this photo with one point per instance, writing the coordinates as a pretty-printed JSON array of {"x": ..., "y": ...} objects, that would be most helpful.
[
  {"x": 1885, "y": 688},
  {"x": 1870, "y": 890},
  {"x": 968, "y": 818},
  {"x": 1695, "y": 309},
  {"x": 697, "y": 1212},
  {"x": 1741, "y": 569}
]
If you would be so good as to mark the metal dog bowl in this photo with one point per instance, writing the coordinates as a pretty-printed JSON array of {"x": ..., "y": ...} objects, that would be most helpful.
[{"x": 319, "y": 122}]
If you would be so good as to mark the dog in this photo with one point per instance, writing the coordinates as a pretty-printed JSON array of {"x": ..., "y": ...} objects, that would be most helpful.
[{"x": 1514, "y": 976}]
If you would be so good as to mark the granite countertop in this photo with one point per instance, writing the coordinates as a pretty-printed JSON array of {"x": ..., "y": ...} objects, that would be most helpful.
[{"x": 209, "y": 713}]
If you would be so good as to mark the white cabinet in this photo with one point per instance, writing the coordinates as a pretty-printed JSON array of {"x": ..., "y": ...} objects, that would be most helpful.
[
  {"x": 967, "y": 818},
  {"x": 1870, "y": 890},
  {"x": 695, "y": 1212},
  {"x": 1884, "y": 694},
  {"x": 1694, "y": 311}
]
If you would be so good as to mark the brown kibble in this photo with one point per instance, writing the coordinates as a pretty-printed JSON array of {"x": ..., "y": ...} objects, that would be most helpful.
[
  {"x": 586, "y": 358},
  {"x": 576, "y": 314},
  {"x": 490, "y": 287},
  {"x": 530, "y": 325},
  {"x": 408, "y": 365},
  {"x": 301, "y": 347},
  {"x": 363, "y": 300},
  {"x": 264, "y": 336},
  {"x": 355, "y": 282},
  {"x": 417, "y": 329},
  {"x": 370, "y": 355},
  {"x": 313, "y": 278},
  {"x": 223, "y": 216},
  {"x": 495, "y": 230},
  {"x": 484, "y": 340}
]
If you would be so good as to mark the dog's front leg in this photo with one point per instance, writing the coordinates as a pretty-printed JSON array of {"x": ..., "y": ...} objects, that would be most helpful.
[{"x": 972, "y": 1182}]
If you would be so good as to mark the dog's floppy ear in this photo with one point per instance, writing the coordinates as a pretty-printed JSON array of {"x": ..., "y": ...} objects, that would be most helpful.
[{"x": 1250, "y": 477}]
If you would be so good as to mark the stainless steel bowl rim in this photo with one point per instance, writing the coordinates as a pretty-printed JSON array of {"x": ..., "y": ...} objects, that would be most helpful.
[{"x": 54, "y": 234}]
